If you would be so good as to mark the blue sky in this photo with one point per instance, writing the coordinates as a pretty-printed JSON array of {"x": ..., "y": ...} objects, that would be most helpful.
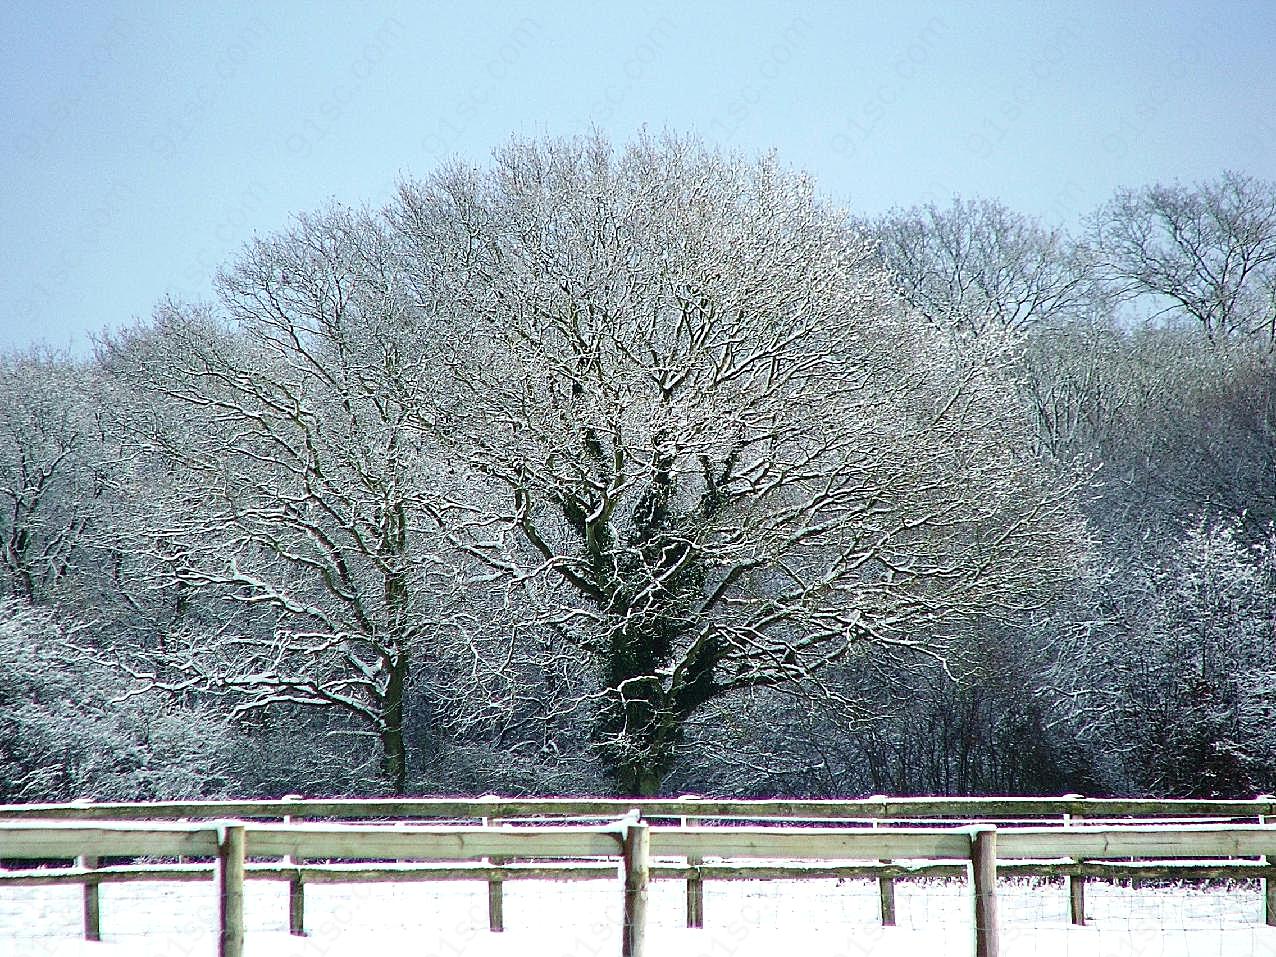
[{"x": 141, "y": 144}]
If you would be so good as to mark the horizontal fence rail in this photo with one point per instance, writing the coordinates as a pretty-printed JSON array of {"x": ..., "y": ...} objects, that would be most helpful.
[
  {"x": 631, "y": 848},
  {"x": 803, "y": 843},
  {"x": 882, "y": 809},
  {"x": 1106, "y": 842},
  {"x": 430, "y": 843}
]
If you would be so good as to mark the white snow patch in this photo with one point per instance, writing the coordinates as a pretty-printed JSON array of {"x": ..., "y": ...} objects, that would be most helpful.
[{"x": 743, "y": 919}]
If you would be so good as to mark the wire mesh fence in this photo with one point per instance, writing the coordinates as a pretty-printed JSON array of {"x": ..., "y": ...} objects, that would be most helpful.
[
  {"x": 817, "y": 915},
  {"x": 743, "y": 918}
]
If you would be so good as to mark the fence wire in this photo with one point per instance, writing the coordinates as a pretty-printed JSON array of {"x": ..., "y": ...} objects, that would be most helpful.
[{"x": 744, "y": 918}]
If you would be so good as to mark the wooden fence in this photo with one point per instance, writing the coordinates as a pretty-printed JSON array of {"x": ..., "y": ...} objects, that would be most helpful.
[
  {"x": 878, "y": 808},
  {"x": 688, "y": 847}
]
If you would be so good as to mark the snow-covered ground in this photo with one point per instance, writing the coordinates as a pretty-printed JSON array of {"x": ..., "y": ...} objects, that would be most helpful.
[{"x": 743, "y": 919}]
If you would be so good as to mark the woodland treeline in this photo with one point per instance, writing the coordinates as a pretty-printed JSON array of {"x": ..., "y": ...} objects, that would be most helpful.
[{"x": 645, "y": 470}]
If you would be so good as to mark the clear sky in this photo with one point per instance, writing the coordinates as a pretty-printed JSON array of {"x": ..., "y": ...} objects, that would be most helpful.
[{"x": 142, "y": 143}]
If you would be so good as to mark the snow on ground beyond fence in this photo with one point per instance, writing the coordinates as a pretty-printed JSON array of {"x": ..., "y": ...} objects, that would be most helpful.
[{"x": 743, "y": 919}]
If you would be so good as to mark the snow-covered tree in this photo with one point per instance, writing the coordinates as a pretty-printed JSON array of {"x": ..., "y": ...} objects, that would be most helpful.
[
  {"x": 980, "y": 268},
  {"x": 1176, "y": 685},
  {"x": 50, "y": 470},
  {"x": 1207, "y": 252},
  {"x": 726, "y": 454},
  {"x": 64, "y": 733},
  {"x": 302, "y": 499},
  {"x": 1196, "y": 667}
]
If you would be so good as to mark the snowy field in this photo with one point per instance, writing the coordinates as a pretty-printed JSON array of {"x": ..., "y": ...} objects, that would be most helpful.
[{"x": 749, "y": 919}]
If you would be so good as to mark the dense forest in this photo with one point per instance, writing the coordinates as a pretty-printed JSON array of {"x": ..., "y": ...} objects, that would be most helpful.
[{"x": 646, "y": 470}]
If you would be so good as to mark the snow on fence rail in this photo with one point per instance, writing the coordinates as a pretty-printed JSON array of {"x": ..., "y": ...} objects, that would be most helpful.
[
  {"x": 877, "y": 808},
  {"x": 231, "y": 851}
]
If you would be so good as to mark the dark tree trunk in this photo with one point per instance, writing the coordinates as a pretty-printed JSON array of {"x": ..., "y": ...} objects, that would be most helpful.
[
  {"x": 642, "y": 723},
  {"x": 638, "y": 779},
  {"x": 394, "y": 547},
  {"x": 394, "y": 758},
  {"x": 641, "y": 731}
]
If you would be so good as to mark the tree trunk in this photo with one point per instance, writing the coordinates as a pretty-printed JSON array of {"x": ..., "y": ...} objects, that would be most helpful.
[
  {"x": 638, "y": 779},
  {"x": 642, "y": 726},
  {"x": 394, "y": 760},
  {"x": 647, "y": 736},
  {"x": 394, "y": 757}
]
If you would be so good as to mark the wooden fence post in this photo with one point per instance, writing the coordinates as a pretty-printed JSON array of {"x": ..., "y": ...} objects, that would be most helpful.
[
  {"x": 1076, "y": 883},
  {"x": 495, "y": 893},
  {"x": 296, "y": 885},
  {"x": 885, "y": 887},
  {"x": 1269, "y": 885},
  {"x": 230, "y": 890},
  {"x": 983, "y": 865},
  {"x": 695, "y": 893},
  {"x": 496, "y": 903},
  {"x": 637, "y": 849},
  {"x": 297, "y": 905},
  {"x": 1076, "y": 900},
  {"x": 695, "y": 880},
  {"x": 92, "y": 901},
  {"x": 1269, "y": 895},
  {"x": 886, "y": 898}
]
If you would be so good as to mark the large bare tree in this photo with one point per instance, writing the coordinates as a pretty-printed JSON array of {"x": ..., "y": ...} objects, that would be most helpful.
[
  {"x": 301, "y": 494},
  {"x": 977, "y": 267},
  {"x": 1206, "y": 251},
  {"x": 50, "y": 470},
  {"x": 715, "y": 447}
]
